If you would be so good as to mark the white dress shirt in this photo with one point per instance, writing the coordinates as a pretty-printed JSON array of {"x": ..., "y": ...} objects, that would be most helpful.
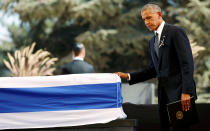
[
  {"x": 78, "y": 58},
  {"x": 160, "y": 29}
]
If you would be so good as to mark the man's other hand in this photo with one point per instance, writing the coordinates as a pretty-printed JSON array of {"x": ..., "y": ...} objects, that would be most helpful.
[
  {"x": 185, "y": 99},
  {"x": 122, "y": 75}
]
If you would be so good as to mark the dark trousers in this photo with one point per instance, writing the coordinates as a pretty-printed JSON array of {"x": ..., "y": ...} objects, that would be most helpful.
[{"x": 163, "y": 114}]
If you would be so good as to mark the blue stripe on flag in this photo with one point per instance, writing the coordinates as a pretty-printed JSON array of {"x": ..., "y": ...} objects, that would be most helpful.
[{"x": 74, "y": 97}]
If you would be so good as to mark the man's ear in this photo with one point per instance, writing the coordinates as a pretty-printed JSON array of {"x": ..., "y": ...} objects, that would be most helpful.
[{"x": 160, "y": 14}]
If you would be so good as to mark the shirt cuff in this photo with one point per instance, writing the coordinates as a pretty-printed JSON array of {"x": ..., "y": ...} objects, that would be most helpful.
[{"x": 129, "y": 76}]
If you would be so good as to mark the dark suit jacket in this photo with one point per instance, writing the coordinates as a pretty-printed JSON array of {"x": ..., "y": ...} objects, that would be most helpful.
[
  {"x": 76, "y": 67},
  {"x": 174, "y": 67}
]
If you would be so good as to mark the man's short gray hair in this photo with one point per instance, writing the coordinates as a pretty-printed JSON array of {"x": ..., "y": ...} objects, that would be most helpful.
[{"x": 151, "y": 6}]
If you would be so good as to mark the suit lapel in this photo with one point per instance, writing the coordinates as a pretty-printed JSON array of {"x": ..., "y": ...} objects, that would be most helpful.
[{"x": 162, "y": 41}]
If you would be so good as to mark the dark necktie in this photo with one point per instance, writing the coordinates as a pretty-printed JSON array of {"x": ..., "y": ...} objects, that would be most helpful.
[{"x": 156, "y": 44}]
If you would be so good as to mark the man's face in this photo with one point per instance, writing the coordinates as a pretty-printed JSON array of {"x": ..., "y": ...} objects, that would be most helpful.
[{"x": 151, "y": 19}]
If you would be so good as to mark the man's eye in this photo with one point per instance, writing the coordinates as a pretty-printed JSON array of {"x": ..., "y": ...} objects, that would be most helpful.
[{"x": 148, "y": 18}]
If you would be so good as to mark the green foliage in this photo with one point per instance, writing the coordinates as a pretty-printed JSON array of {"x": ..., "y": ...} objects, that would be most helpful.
[
  {"x": 114, "y": 36},
  {"x": 5, "y": 47},
  {"x": 194, "y": 17},
  {"x": 3, "y": 71}
]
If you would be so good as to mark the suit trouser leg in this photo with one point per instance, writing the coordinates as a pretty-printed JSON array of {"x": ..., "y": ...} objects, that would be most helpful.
[
  {"x": 164, "y": 120},
  {"x": 163, "y": 114}
]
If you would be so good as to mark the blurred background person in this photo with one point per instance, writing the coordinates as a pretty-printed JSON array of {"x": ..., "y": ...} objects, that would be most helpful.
[{"x": 78, "y": 65}]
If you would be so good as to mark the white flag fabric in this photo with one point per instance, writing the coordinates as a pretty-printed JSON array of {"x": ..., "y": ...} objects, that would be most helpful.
[{"x": 59, "y": 101}]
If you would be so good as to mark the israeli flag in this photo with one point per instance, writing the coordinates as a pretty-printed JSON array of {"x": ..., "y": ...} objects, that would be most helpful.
[{"x": 59, "y": 101}]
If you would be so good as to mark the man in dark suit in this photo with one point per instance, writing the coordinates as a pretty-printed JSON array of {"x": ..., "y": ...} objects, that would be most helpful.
[
  {"x": 171, "y": 62},
  {"x": 78, "y": 65}
]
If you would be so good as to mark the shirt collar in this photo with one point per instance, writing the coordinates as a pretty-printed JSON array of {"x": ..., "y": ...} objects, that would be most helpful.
[
  {"x": 78, "y": 58},
  {"x": 160, "y": 28}
]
